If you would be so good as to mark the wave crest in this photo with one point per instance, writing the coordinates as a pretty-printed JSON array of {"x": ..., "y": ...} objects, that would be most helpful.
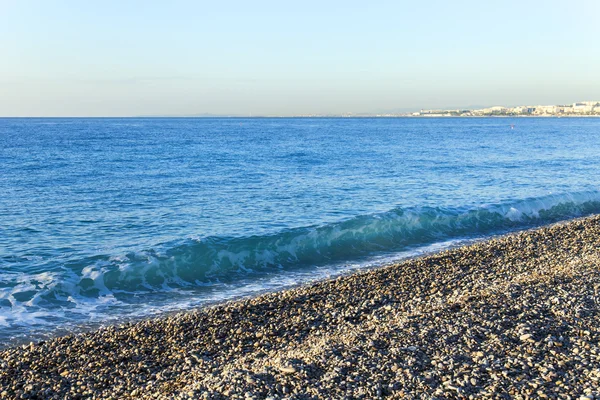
[
  {"x": 107, "y": 281},
  {"x": 228, "y": 258}
]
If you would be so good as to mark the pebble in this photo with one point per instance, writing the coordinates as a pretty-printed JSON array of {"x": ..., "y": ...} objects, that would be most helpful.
[{"x": 287, "y": 369}]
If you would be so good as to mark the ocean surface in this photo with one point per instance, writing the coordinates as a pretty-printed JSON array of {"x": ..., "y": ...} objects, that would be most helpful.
[{"x": 105, "y": 220}]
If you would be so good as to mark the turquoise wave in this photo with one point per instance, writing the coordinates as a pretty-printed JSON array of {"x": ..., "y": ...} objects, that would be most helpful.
[
  {"x": 202, "y": 262},
  {"x": 226, "y": 259},
  {"x": 147, "y": 280}
]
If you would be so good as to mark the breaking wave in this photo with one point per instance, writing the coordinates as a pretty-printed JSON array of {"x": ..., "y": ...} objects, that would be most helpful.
[{"x": 106, "y": 281}]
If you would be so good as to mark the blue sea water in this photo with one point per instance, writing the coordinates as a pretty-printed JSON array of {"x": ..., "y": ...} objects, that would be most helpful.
[{"x": 109, "y": 219}]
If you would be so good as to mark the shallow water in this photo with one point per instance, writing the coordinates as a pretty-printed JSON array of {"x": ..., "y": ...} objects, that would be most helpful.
[{"x": 105, "y": 219}]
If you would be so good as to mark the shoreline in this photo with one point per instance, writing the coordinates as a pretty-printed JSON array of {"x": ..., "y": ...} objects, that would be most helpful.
[
  {"x": 396, "y": 258},
  {"x": 515, "y": 315}
]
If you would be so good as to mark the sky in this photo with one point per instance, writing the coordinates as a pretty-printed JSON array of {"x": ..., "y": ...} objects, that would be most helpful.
[{"x": 179, "y": 57}]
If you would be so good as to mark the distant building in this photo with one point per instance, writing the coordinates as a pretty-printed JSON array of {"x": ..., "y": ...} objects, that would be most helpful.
[
  {"x": 583, "y": 107},
  {"x": 545, "y": 109}
]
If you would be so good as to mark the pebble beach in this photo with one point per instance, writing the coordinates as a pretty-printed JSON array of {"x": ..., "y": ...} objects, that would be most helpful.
[{"x": 517, "y": 316}]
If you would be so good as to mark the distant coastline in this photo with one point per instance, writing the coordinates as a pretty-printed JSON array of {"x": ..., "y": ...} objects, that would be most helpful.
[
  {"x": 579, "y": 109},
  {"x": 574, "y": 110}
]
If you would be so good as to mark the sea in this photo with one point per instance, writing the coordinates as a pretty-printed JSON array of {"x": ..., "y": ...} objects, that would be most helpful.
[{"x": 108, "y": 220}]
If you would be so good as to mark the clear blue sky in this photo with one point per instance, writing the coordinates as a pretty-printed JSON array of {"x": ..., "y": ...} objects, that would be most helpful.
[{"x": 95, "y": 58}]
